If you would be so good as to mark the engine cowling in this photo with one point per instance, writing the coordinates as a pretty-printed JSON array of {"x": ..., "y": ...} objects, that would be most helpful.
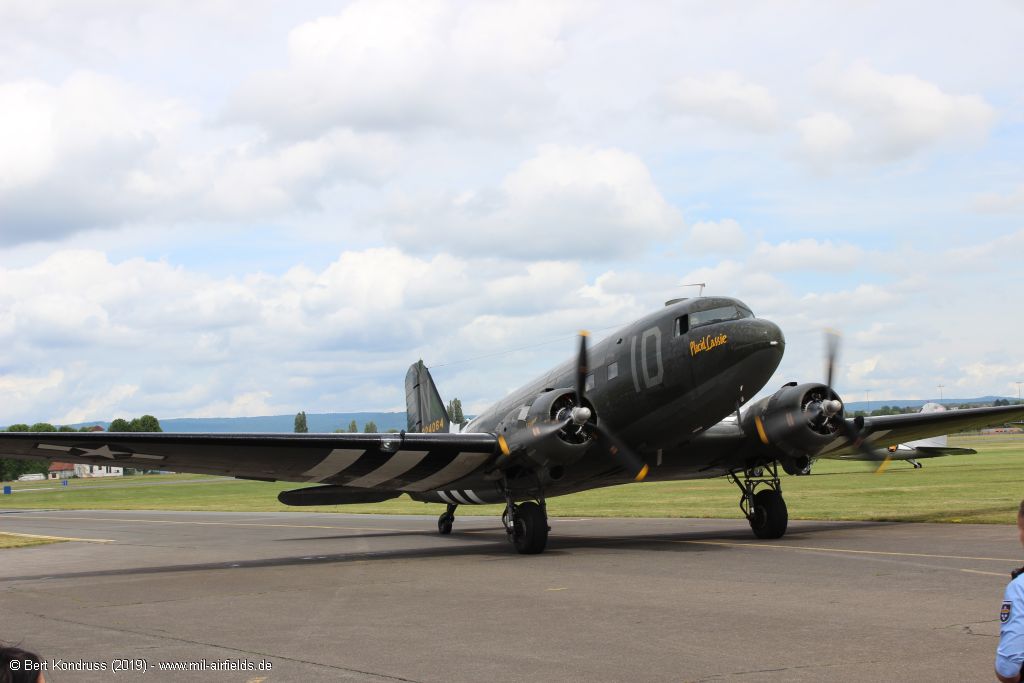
[
  {"x": 529, "y": 428},
  {"x": 799, "y": 420}
]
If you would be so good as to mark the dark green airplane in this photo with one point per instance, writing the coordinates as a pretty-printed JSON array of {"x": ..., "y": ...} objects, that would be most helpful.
[{"x": 658, "y": 400}]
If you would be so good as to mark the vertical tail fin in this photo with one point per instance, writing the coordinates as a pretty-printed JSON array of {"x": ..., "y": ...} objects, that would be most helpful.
[{"x": 424, "y": 408}]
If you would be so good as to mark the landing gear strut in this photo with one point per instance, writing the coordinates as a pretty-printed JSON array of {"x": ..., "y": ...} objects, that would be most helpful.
[
  {"x": 445, "y": 521},
  {"x": 526, "y": 524},
  {"x": 915, "y": 463},
  {"x": 765, "y": 509}
]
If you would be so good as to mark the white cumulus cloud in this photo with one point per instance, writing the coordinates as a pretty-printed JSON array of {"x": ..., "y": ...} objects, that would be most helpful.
[
  {"x": 96, "y": 152},
  {"x": 725, "y": 98},
  {"x": 395, "y": 64},
  {"x": 578, "y": 202},
  {"x": 721, "y": 236},
  {"x": 887, "y": 117},
  {"x": 825, "y": 138},
  {"x": 807, "y": 254}
]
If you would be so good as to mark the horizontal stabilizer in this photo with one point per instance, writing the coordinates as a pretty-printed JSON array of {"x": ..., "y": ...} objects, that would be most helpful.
[{"x": 333, "y": 495}]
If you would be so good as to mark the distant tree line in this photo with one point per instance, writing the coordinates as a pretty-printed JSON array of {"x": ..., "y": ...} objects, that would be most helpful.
[
  {"x": 887, "y": 410},
  {"x": 369, "y": 428},
  {"x": 146, "y": 423}
]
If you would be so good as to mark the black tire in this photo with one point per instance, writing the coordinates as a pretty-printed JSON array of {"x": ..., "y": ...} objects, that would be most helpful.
[
  {"x": 770, "y": 515},
  {"x": 530, "y": 528},
  {"x": 444, "y": 524}
]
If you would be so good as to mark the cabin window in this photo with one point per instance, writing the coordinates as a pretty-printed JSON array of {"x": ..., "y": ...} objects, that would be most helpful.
[
  {"x": 719, "y": 314},
  {"x": 613, "y": 370},
  {"x": 682, "y": 325},
  {"x": 588, "y": 384}
]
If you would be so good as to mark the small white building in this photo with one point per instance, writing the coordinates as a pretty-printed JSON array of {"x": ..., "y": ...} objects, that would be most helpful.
[{"x": 87, "y": 471}]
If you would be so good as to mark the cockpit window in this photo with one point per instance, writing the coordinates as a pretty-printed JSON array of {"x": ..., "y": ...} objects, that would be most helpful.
[{"x": 720, "y": 314}]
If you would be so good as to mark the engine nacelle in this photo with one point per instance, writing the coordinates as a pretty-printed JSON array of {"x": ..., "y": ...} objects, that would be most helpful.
[
  {"x": 798, "y": 420},
  {"x": 527, "y": 429}
]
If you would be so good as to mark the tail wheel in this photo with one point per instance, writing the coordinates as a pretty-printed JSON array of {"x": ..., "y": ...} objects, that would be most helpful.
[
  {"x": 530, "y": 528},
  {"x": 770, "y": 516}
]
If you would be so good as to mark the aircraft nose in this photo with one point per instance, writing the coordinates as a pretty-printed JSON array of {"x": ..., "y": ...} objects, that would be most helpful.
[
  {"x": 758, "y": 334},
  {"x": 773, "y": 334}
]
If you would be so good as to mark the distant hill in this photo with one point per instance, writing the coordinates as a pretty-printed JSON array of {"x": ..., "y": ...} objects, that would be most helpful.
[{"x": 852, "y": 406}]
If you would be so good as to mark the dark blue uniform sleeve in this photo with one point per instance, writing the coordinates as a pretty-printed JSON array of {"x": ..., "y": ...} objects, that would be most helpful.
[{"x": 1010, "y": 653}]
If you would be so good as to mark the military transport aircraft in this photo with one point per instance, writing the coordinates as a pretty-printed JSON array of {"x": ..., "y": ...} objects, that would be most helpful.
[{"x": 659, "y": 400}]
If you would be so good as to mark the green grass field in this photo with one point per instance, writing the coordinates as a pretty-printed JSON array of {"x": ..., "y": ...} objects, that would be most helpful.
[{"x": 982, "y": 488}]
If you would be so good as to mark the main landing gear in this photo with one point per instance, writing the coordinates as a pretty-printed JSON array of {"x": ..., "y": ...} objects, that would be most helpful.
[
  {"x": 765, "y": 509},
  {"x": 526, "y": 524},
  {"x": 446, "y": 520}
]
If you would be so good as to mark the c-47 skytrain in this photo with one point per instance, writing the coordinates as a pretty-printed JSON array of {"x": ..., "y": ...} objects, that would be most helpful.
[{"x": 664, "y": 398}]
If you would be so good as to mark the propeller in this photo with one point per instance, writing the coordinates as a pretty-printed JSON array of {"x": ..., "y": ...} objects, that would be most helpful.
[
  {"x": 605, "y": 441},
  {"x": 846, "y": 427}
]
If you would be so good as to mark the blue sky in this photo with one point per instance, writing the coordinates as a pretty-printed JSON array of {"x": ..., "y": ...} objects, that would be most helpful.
[{"x": 215, "y": 209}]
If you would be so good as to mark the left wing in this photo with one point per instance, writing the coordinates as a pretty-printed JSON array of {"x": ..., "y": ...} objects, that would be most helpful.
[{"x": 368, "y": 462}]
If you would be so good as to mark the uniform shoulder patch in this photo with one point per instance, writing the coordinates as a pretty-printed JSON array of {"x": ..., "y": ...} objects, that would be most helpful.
[{"x": 1004, "y": 612}]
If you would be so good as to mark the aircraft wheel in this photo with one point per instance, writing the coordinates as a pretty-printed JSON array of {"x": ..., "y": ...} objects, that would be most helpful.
[
  {"x": 444, "y": 523},
  {"x": 530, "y": 528},
  {"x": 770, "y": 515}
]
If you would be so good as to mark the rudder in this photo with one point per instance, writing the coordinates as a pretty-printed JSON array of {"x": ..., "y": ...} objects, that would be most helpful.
[{"x": 424, "y": 408}]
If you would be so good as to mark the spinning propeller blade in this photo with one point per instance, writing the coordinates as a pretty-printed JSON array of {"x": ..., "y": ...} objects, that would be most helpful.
[
  {"x": 846, "y": 427},
  {"x": 831, "y": 353},
  {"x": 582, "y": 368}
]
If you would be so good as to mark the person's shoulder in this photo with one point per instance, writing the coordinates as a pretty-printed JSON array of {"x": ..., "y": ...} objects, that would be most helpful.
[{"x": 1016, "y": 586}]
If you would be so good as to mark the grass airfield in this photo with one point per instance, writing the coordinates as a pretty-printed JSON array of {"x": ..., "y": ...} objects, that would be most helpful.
[{"x": 984, "y": 488}]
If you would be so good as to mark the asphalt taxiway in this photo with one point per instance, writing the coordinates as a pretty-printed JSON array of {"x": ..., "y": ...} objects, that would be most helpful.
[{"x": 385, "y": 598}]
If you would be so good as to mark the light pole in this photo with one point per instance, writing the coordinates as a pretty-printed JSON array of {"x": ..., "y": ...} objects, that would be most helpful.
[
  {"x": 940, "y": 392},
  {"x": 1019, "y": 382},
  {"x": 867, "y": 399}
]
